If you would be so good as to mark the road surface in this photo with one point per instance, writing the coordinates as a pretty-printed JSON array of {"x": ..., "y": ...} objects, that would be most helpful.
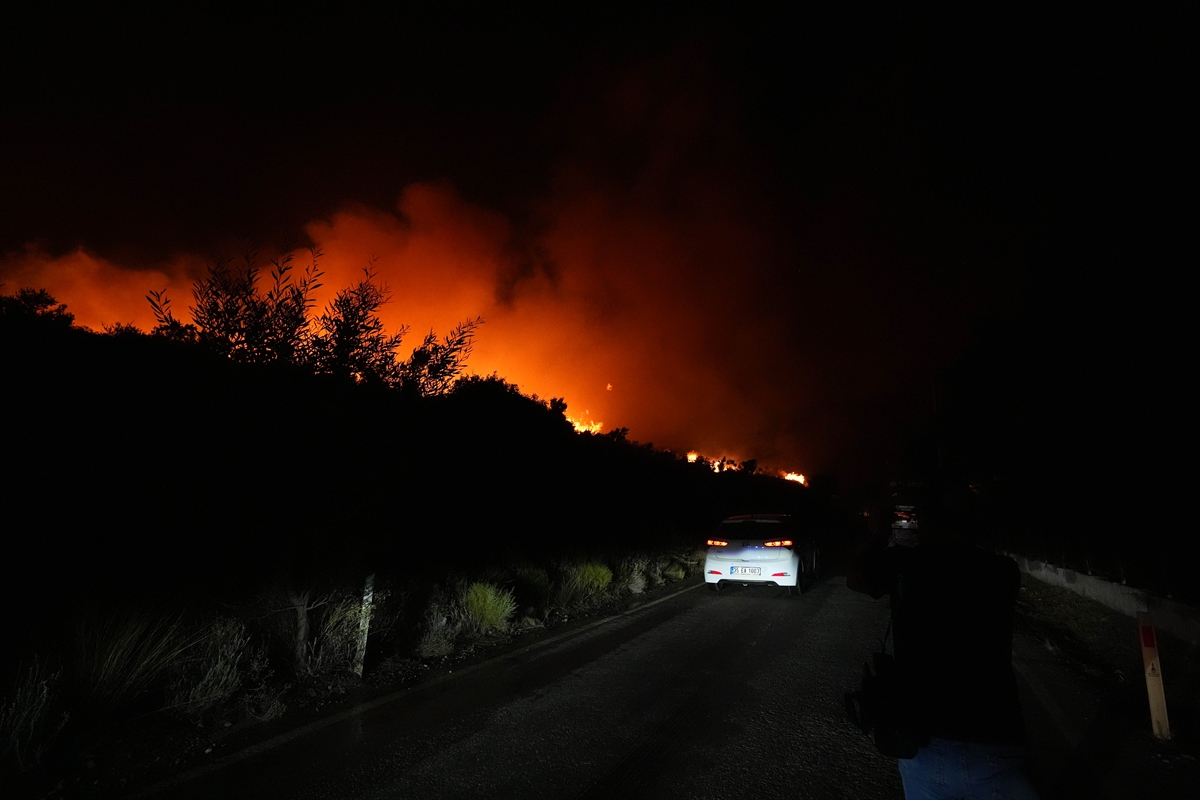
[{"x": 698, "y": 695}]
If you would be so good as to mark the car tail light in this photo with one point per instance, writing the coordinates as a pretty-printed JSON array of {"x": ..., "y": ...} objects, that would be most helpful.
[
  {"x": 778, "y": 543},
  {"x": 781, "y": 574},
  {"x": 717, "y": 543},
  {"x": 715, "y": 572}
]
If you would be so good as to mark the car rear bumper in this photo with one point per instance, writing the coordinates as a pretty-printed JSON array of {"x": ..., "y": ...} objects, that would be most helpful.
[{"x": 718, "y": 572}]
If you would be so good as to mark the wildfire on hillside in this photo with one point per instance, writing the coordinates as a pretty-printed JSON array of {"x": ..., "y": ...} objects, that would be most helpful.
[
  {"x": 584, "y": 425},
  {"x": 568, "y": 315}
]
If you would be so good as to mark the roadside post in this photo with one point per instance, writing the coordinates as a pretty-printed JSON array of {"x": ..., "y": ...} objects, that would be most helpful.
[
  {"x": 364, "y": 624},
  {"x": 1154, "y": 684}
]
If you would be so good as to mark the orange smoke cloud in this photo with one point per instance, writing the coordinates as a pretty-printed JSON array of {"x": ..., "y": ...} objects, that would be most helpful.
[
  {"x": 97, "y": 291},
  {"x": 638, "y": 294}
]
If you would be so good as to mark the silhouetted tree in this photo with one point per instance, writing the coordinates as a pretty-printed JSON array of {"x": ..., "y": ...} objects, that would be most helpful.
[
  {"x": 122, "y": 330},
  {"x": 169, "y": 326},
  {"x": 235, "y": 318},
  {"x": 434, "y": 366},
  {"x": 350, "y": 340},
  {"x": 35, "y": 305}
]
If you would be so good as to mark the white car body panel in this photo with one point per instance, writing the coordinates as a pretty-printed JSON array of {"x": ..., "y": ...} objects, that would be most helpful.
[{"x": 747, "y": 560}]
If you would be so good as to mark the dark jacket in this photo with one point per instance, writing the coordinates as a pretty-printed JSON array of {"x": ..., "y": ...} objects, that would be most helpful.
[{"x": 952, "y": 621}]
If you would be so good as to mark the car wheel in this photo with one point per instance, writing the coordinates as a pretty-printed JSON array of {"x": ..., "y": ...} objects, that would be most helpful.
[
  {"x": 714, "y": 587},
  {"x": 794, "y": 591},
  {"x": 808, "y": 574}
]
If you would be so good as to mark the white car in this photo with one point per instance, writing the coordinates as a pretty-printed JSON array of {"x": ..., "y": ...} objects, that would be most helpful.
[{"x": 760, "y": 550}]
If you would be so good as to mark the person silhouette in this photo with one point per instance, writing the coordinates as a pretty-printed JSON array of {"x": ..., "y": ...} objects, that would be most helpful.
[{"x": 952, "y": 620}]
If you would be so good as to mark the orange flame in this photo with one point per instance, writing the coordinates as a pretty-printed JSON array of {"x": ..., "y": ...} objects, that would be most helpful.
[{"x": 585, "y": 426}]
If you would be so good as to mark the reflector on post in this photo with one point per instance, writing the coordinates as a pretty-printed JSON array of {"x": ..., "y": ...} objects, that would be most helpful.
[{"x": 1154, "y": 684}]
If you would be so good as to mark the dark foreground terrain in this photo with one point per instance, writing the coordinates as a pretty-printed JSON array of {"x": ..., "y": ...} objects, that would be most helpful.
[{"x": 690, "y": 695}]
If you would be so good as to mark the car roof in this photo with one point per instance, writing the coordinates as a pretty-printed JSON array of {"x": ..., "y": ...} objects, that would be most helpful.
[{"x": 758, "y": 518}]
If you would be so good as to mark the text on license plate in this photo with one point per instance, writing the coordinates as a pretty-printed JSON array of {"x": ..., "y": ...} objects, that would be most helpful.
[{"x": 745, "y": 570}]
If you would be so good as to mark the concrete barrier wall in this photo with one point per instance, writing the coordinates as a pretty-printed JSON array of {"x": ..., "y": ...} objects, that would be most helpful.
[{"x": 1181, "y": 621}]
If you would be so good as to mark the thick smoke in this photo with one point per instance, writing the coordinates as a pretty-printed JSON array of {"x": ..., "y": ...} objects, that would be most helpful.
[
  {"x": 648, "y": 285},
  {"x": 97, "y": 291}
]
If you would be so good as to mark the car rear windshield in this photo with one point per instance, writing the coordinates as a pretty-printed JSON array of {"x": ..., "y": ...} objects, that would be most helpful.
[{"x": 758, "y": 529}]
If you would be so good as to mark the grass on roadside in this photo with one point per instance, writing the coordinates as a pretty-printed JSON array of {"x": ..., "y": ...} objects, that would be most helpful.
[
  {"x": 30, "y": 719},
  {"x": 120, "y": 656},
  {"x": 580, "y": 584},
  {"x": 439, "y": 629},
  {"x": 204, "y": 667},
  {"x": 485, "y": 608},
  {"x": 211, "y": 673}
]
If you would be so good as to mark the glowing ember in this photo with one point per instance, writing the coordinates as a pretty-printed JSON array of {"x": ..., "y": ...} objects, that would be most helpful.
[{"x": 797, "y": 477}]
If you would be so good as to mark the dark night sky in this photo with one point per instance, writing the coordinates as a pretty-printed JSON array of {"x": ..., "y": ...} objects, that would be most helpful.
[{"x": 767, "y": 233}]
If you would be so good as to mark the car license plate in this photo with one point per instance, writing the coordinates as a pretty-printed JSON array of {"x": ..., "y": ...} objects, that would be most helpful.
[{"x": 745, "y": 570}]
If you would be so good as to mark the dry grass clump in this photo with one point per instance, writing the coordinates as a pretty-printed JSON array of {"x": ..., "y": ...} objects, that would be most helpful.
[
  {"x": 655, "y": 564},
  {"x": 580, "y": 584},
  {"x": 224, "y": 673},
  {"x": 486, "y": 608},
  {"x": 630, "y": 575},
  {"x": 337, "y": 632},
  {"x": 211, "y": 672},
  {"x": 674, "y": 571},
  {"x": 439, "y": 630},
  {"x": 531, "y": 586},
  {"x": 121, "y": 656},
  {"x": 692, "y": 559},
  {"x": 29, "y": 721}
]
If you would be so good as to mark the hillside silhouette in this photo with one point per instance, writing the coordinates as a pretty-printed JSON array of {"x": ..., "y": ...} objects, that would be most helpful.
[{"x": 144, "y": 467}]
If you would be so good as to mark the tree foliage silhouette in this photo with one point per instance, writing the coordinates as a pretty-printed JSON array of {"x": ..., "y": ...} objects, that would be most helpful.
[
  {"x": 434, "y": 366},
  {"x": 350, "y": 340},
  {"x": 35, "y": 306},
  {"x": 234, "y": 317}
]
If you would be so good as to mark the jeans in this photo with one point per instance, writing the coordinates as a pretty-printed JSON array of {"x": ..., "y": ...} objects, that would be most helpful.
[{"x": 950, "y": 770}]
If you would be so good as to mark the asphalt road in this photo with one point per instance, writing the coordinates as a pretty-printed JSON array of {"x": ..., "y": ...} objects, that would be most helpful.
[{"x": 699, "y": 696}]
